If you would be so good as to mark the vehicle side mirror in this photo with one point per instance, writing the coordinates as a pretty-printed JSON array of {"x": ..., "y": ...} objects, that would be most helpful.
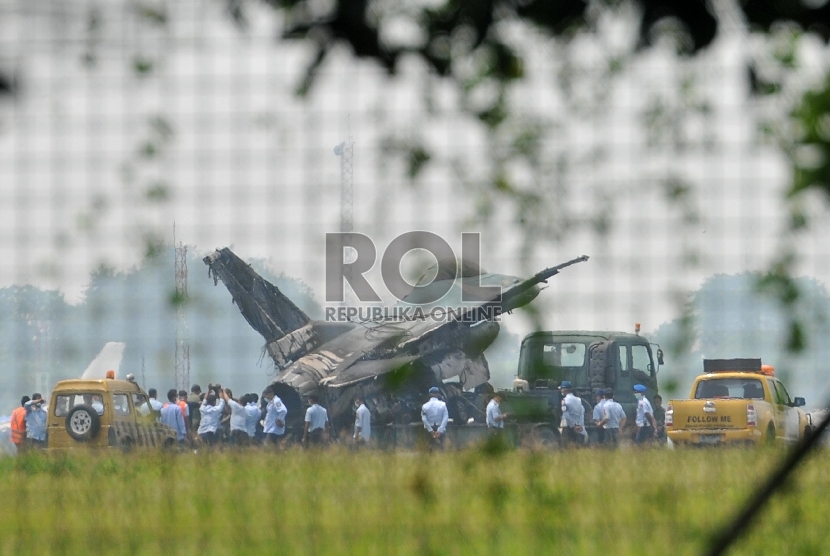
[
  {"x": 660, "y": 357},
  {"x": 798, "y": 402}
]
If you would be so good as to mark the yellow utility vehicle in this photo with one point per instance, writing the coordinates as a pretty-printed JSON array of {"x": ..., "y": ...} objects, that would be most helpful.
[
  {"x": 736, "y": 401},
  {"x": 101, "y": 414}
]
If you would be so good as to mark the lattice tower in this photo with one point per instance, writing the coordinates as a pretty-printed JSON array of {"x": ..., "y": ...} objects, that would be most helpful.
[{"x": 182, "y": 346}]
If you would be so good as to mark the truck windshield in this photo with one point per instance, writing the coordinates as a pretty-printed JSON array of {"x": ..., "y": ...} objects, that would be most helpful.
[
  {"x": 552, "y": 361},
  {"x": 748, "y": 389},
  {"x": 563, "y": 354}
]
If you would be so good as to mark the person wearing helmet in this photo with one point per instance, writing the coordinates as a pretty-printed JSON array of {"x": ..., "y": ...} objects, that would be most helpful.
[{"x": 646, "y": 424}]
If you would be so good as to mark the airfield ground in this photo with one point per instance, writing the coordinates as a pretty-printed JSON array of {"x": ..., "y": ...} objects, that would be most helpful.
[{"x": 337, "y": 502}]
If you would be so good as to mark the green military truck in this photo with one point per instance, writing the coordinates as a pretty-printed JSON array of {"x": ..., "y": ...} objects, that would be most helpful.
[{"x": 590, "y": 361}]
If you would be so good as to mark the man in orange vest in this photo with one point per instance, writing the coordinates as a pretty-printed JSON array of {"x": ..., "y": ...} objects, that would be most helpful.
[{"x": 19, "y": 425}]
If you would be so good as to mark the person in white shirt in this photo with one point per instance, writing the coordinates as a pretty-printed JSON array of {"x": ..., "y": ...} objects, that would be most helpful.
[
  {"x": 98, "y": 404},
  {"x": 573, "y": 415},
  {"x": 362, "y": 422},
  {"x": 495, "y": 417},
  {"x": 435, "y": 417},
  {"x": 646, "y": 424},
  {"x": 316, "y": 423},
  {"x": 613, "y": 419},
  {"x": 252, "y": 416},
  {"x": 211, "y": 416},
  {"x": 151, "y": 406},
  {"x": 275, "y": 413},
  {"x": 239, "y": 419},
  {"x": 599, "y": 401}
]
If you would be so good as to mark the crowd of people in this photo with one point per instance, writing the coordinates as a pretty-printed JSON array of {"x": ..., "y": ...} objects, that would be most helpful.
[
  {"x": 608, "y": 417},
  {"x": 216, "y": 417}
]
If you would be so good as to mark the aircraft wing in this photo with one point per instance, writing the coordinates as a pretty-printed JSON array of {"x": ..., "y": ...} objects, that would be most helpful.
[{"x": 362, "y": 370}]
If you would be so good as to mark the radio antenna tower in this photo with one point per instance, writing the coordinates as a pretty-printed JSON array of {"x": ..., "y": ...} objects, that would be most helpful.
[
  {"x": 345, "y": 151},
  {"x": 180, "y": 299}
]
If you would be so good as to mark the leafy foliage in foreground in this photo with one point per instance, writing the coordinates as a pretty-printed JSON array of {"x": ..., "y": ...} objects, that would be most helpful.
[{"x": 581, "y": 502}]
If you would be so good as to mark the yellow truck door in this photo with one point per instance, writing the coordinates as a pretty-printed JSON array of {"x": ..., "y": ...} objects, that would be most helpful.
[
  {"x": 780, "y": 409},
  {"x": 126, "y": 431},
  {"x": 791, "y": 414}
]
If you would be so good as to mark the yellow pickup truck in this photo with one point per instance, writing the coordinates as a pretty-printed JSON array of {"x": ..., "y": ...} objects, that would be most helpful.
[{"x": 736, "y": 401}]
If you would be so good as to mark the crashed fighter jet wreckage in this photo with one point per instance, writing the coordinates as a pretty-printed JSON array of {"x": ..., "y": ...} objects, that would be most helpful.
[{"x": 390, "y": 362}]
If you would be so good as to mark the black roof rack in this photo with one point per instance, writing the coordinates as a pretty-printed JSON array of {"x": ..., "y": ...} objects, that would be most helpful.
[{"x": 721, "y": 365}]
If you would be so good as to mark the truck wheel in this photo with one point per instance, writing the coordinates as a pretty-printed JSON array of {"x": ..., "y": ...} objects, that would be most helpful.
[
  {"x": 770, "y": 438},
  {"x": 127, "y": 445},
  {"x": 457, "y": 410},
  {"x": 541, "y": 436},
  {"x": 83, "y": 423}
]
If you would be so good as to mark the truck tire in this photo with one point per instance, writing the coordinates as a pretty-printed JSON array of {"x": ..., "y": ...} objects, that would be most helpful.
[
  {"x": 127, "y": 444},
  {"x": 83, "y": 423},
  {"x": 769, "y": 439},
  {"x": 458, "y": 410},
  {"x": 540, "y": 436}
]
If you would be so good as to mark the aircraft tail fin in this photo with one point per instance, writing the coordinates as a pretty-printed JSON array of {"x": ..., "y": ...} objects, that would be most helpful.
[{"x": 263, "y": 305}]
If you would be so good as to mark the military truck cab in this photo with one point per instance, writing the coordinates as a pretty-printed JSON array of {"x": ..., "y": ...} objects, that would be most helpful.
[{"x": 590, "y": 361}]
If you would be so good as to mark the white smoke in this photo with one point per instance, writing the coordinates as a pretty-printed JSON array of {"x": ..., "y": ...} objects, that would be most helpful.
[{"x": 109, "y": 359}]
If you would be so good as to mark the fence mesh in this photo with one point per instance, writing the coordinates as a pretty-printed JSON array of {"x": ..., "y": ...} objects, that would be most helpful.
[{"x": 120, "y": 120}]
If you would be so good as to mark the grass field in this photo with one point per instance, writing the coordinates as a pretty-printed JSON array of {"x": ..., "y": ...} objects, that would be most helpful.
[{"x": 337, "y": 502}]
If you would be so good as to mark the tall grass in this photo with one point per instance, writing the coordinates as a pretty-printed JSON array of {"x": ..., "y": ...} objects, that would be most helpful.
[{"x": 338, "y": 502}]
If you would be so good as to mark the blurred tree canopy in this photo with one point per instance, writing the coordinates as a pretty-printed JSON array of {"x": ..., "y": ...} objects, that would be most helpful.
[
  {"x": 734, "y": 319},
  {"x": 360, "y": 24},
  {"x": 446, "y": 33}
]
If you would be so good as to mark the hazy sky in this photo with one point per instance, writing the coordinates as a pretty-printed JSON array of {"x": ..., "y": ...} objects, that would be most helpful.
[{"x": 250, "y": 165}]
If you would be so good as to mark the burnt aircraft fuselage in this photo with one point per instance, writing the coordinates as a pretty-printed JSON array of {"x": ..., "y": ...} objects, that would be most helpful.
[{"x": 390, "y": 363}]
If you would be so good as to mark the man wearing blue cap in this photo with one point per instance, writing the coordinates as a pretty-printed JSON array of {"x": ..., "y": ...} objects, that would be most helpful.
[
  {"x": 573, "y": 415},
  {"x": 646, "y": 425},
  {"x": 599, "y": 402},
  {"x": 435, "y": 416}
]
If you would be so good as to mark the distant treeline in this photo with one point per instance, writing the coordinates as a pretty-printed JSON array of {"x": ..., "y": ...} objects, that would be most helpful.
[
  {"x": 44, "y": 339},
  {"x": 729, "y": 317}
]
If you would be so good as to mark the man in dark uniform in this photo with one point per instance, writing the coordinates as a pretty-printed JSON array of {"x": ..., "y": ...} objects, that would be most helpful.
[{"x": 660, "y": 416}]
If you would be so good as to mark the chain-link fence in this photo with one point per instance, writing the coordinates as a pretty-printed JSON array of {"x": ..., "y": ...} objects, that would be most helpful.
[{"x": 122, "y": 120}]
